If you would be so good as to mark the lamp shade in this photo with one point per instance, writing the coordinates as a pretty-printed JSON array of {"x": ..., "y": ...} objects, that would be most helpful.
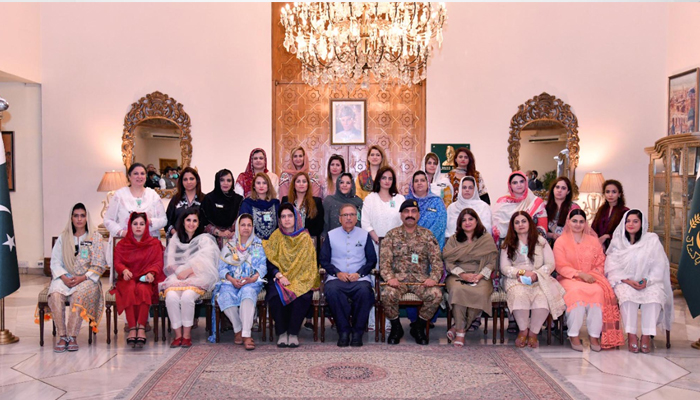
[
  {"x": 112, "y": 181},
  {"x": 592, "y": 183}
]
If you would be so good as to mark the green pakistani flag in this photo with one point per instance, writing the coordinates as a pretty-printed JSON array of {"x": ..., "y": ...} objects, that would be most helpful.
[
  {"x": 689, "y": 266},
  {"x": 9, "y": 270}
]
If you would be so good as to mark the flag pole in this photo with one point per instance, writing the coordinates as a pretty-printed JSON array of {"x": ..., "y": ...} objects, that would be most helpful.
[{"x": 6, "y": 337}]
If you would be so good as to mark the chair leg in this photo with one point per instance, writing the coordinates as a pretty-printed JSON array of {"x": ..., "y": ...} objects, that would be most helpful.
[
  {"x": 323, "y": 324},
  {"x": 376, "y": 323},
  {"x": 315, "y": 322},
  {"x": 53, "y": 327},
  {"x": 90, "y": 333},
  {"x": 502, "y": 322},
  {"x": 218, "y": 323},
  {"x": 108, "y": 311},
  {"x": 162, "y": 324},
  {"x": 382, "y": 323},
  {"x": 156, "y": 312},
  {"x": 494, "y": 313},
  {"x": 561, "y": 329},
  {"x": 114, "y": 315},
  {"x": 549, "y": 329},
  {"x": 207, "y": 309},
  {"x": 668, "y": 339},
  {"x": 449, "y": 316},
  {"x": 41, "y": 326}
]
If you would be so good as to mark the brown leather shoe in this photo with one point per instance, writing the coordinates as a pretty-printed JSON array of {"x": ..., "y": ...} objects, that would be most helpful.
[
  {"x": 239, "y": 338},
  {"x": 248, "y": 343},
  {"x": 521, "y": 340}
]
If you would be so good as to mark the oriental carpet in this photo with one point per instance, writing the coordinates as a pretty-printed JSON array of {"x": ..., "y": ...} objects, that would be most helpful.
[{"x": 371, "y": 372}]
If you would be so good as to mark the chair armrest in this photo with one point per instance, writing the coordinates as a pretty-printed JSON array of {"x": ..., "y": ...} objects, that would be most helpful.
[
  {"x": 322, "y": 272},
  {"x": 377, "y": 287}
]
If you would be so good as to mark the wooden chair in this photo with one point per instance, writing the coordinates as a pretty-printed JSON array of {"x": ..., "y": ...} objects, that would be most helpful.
[
  {"x": 43, "y": 304},
  {"x": 204, "y": 300}
]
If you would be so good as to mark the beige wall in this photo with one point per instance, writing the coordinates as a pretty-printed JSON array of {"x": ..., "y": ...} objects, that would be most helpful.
[
  {"x": 606, "y": 60},
  {"x": 20, "y": 48},
  {"x": 24, "y": 118},
  {"x": 98, "y": 59}
]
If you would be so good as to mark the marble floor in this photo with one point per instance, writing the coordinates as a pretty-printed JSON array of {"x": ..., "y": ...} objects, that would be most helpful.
[{"x": 101, "y": 371}]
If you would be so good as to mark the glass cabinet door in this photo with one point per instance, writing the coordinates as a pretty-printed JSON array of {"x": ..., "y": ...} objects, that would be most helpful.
[
  {"x": 660, "y": 198},
  {"x": 679, "y": 201}
]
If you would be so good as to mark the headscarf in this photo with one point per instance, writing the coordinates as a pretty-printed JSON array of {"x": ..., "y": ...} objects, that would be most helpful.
[
  {"x": 475, "y": 203},
  {"x": 612, "y": 335},
  {"x": 440, "y": 181},
  {"x": 201, "y": 254},
  {"x": 236, "y": 251},
  {"x": 294, "y": 254},
  {"x": 246, "y": 178},
  {"x": 507, "y": 205},
  {"x": 436, "y": 221},
  {"x": 219, "y": 208},
  {"x": 68, "y": 244},
  {"x": 298, "y": 221},
  {"x": 288, "y": 174},
  {"x": 350, "y": 197},
  {"x": 636, "y": 261},
  {"x": 141, "y": 257}
]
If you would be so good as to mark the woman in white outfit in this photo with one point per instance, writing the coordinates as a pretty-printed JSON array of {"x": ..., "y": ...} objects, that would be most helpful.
[
  {"x": 638, "y": 270},
  {"x": 191, "y": 270}
]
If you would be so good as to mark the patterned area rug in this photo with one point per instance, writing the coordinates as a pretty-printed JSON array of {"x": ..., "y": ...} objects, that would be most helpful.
[{"x": 371, "y": 372}]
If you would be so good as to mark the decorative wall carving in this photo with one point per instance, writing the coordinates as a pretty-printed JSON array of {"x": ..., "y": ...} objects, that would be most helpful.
[
  {"x": 395, "y": 117},
  {"x": 540, "y": 110}
]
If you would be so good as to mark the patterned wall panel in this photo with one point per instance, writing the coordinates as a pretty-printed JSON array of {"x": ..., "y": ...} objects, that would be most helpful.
[{"x": 301, "y": 117}]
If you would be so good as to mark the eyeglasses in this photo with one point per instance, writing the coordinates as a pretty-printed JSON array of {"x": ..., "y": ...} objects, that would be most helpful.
[{"x": 348, "y": 215}]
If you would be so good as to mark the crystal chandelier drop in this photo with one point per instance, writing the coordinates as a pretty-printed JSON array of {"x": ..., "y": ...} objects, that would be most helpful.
[{"x": 346, "y": 42}]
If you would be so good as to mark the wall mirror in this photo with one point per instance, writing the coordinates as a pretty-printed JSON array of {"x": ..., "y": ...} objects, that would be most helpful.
[
  {"x": 157, "y": 132},
  {"x": 544, "y": 137}
]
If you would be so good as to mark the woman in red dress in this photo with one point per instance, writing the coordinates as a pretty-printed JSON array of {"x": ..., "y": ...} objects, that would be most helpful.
[{"x": 138, "y": 259}]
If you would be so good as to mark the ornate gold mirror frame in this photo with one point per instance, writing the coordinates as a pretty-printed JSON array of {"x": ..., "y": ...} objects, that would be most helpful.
[
  {"x": 545, "y": 108},
  {"x": 157, "y": 106}
]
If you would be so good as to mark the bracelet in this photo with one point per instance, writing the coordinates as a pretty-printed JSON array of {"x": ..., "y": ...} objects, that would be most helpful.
[{"x": 521, "y": 272}]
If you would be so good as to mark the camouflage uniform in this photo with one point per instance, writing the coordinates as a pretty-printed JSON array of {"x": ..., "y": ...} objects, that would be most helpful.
[{"x": 396, "y": 261}]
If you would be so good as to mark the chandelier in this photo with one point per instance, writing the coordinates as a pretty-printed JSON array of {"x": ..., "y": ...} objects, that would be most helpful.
[{"x": 347, "y": 42}]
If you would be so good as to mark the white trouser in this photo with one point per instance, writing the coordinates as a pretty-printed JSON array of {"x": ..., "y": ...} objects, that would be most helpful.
[
  {"x": 650, "y": 314},
  {"x": 180, "y": 304},
  {"x": 242, "y": 320},
  {"x": 594, "y": 320}
]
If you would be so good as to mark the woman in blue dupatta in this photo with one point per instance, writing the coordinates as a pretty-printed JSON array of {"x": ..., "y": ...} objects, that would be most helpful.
[
  {"x": 242, "y": 269},
  {"x": 433, "y": 214},
  {"x": 292, "y": 274}
]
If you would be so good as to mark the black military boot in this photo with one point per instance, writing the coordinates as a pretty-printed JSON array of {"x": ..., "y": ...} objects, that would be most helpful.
[
  {"x": 418, "y": 331},
  {"x": 396, "y": 332}
]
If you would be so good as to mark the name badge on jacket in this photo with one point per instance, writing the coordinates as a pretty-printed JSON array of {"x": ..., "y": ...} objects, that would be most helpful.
[
  {"x": 431, "y": 209},
  {"x": 219, "y": 205}
]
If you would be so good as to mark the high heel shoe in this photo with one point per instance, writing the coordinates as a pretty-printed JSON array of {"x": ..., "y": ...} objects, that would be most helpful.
[
  {"x": 140, "y": 340},
  {"x": 131, "y": 340},
  {"x": 574, "y": 346},
  {"x": 646, "y": 347},
  {"x": 633, "y": 347}
]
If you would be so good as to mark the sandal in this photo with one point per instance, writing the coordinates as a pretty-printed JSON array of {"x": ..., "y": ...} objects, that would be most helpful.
[
  {"x": 521, "y": 340},
  {"x": 533, "y": 342},
  {"x": 476, "y": 324},
  {"x": 646, "y": 347},
  {"x": 577, "y": 346},
  {"x": 595, "y": 346},
  {"x": 238, "y": 339},
  {"x": 140, "y": 340},
  {"x": 131, "y": 340},
  {"x": 248, "y": 343},
  {"x": 61, "y": 348},
  {"x": 451, "y": 334},
  {"x": 459, "y": 339},
  {"x": 632, "y": 347},
  {"x": 72, "y": 344}
]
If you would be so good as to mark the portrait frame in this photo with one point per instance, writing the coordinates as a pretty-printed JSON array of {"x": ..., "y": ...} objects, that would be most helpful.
[
  {"x": 682, "y": 102},
  {"x": 8, "y": 139},
  {"x": 348, "y": 108}
]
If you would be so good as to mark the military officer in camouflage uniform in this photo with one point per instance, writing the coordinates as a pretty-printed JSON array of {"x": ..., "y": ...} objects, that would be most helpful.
[{"x": 410, "y": 254}]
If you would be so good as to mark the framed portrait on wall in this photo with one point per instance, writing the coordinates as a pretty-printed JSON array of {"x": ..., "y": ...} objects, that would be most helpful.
[
  {"x": 8, "y": 139},
  {"x": 683, "y": 102},
  {"x": 348, "y": 121}
]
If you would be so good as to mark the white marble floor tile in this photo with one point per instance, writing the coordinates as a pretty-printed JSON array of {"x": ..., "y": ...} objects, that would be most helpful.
[
  {"x": 48, "y": 364},
  {"x": 638, "y": 366},
  {"x": 599, "y": 385},
  {"x": 668, "y": 392},
  {"x": 30, "y": 390},
  {"x": 9, "y": 376}
]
